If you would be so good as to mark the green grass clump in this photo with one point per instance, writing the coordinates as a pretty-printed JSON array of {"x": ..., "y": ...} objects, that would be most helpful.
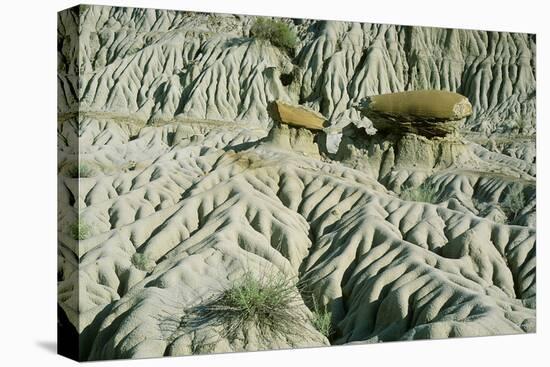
[
  {"x": 80, "y": 230},
  {"x": 80, "y": 169},
  {"x": 268, "y": 303},
  {"x": 276, "y": 32},
  {"x": 143, "y": 262},
  {"x": 513, "y": 202},
  {"x": 425, "y": 193},
  {"x": 322, "y": 320}
]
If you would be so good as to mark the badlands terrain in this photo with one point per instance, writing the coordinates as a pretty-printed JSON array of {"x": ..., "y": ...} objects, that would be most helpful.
[{"x": 201, "y": 163}]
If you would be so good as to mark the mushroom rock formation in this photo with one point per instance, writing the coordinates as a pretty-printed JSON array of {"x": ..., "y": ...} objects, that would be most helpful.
[
  {"x": 430, "y": 113},
  {"x": 295, "y": 128},
  {"x": 416, "y": 130}
]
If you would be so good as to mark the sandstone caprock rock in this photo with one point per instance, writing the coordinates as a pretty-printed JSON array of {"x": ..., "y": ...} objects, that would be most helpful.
[
  {"x": 423, "y": 112},
  {"x": 296, "y": 116}
]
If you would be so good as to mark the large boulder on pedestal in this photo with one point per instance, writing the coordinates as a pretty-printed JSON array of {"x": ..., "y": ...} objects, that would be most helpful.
[{"x": 430, "y": 113}]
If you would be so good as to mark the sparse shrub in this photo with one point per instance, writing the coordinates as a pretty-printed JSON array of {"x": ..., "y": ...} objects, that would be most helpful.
[
  {"x": 131, "y": 166},
  {"x": 514, "y": 202},
  {"x": 80, "y": 169},
  {"x": 322, "y": 319},
  {"x": 425, "y": 193},
  {"x": 269, "y": 304},
  {"x": 80, "y": 230},
  {"x": 489, "y": 210},
  {"x": 322, "y": 322},
  {"x": 520, "y": 126},
  {"x": 276, "y": 32},
  {"x": 143, "y": 262}
]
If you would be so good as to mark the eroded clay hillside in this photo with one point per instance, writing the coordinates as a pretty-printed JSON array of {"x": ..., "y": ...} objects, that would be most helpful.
[{"x": 176, "y": 181}]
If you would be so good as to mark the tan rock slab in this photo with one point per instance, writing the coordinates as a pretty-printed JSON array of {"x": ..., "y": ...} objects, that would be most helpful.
[{"x": 296, "y": 115}]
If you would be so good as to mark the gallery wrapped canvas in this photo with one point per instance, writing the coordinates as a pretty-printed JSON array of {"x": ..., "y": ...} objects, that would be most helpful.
[{"x": 242, "y": 183}]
